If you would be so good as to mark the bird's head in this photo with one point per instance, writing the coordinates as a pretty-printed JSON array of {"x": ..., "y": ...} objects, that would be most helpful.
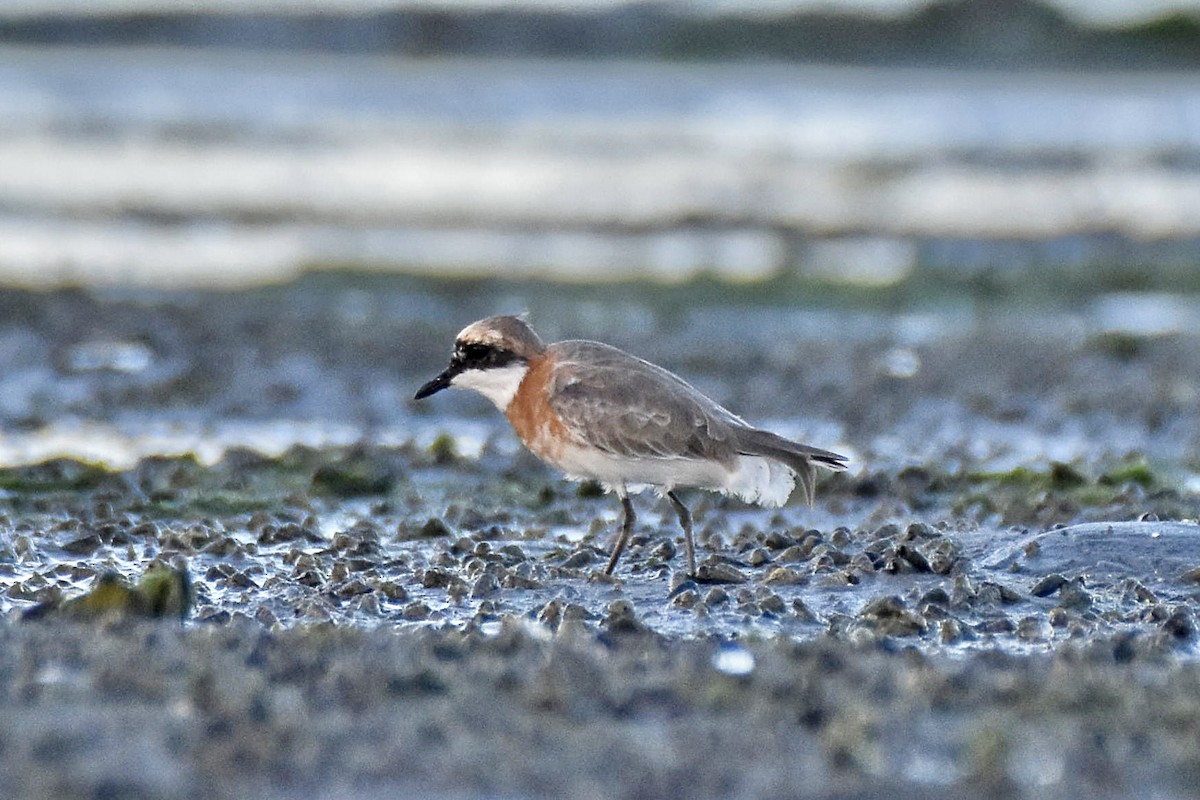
[{"x": 490, "y": 356}]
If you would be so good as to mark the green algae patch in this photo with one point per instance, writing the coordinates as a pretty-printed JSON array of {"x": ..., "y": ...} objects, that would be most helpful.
[
  {"x": 54, "y": 475},
  {"x": 357, "y": 471},
  {"x": 242, "y": 482},
  {"x": 353, "y": 478},
  {"x": 1061, "y": 493},
  {"x": 161, "y": 486},
  {"x": 590, "y": 490},
  {"x": 1060, "y": 475},
  {"x": 444, "y": 450},
  {"x": 1065, "y": 476},
  {"x": 162, "y": 591},
  {"x": 1136, "y": 471},
  {"x": 220, "y": 504}
]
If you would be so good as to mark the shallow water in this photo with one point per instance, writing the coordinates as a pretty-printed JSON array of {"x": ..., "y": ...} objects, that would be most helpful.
[{"x": 185, "y": 166}]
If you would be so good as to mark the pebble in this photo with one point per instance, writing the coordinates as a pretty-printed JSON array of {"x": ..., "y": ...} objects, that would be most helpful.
[
  {"x": 663, "y": 551},
  {"x": 551, "y": 613},
  {"x": 950, "y": 630},
  {"x": 574, "y": 611},
  {"x": 758, "y": 556},
  {"x": 716, "y": 596},
  {"x": 936, "y": 596},
  {"x": 783, "y": 576},
  {"x": 521, "y": 577},
  {"x": 792, "y": 554},
  {"x": 888, "y": 530},
  {"x": 914, "y": 557},
  {"x": 416, "y": 610},
  {"x": 222, "y": 547},
  {"x": 619, "y": 617},
  {"x": 680, "y": 581},
  {"x": 436, "y": 578},
  {"x": 144, "y": 530},
  {"x": 309, "y": 577},
  {"x": 1180, "y": 624},
  {"x": 889, "y": 616},
  {"x": 998, "y": 624},
  {"x": 486, "y": 586},
  {"x": 778, "y": 540},
  {"x": 352, "y": 588},
  {"x": 83, "y": 545},
  {"x": 1048, "y": 585},
  {"x": 1134, "y": 591},
  {"x": 719, "y": 572},
  {"x": 991, "y": 593},
  {"x": 772, "y": 603},
  {"x": 238, "y": 579},
  {"x": 578, "y": 560},
  {"x": 462, "y": 545},
  {"x": 840, "y": 537},
  {"x": 512, "y": 554},
  {"x": 434, "y": 527},
  {"x": 1034, "y": 628},
  {"x": 802, "y": 612},
  {"x": 1073, "y": 595},
  {"x": 457, "y": 589},
  {"x": 391, "y": 590},
  {"x": 827, "y": 554},
  {"x": 688, "y": 598}
]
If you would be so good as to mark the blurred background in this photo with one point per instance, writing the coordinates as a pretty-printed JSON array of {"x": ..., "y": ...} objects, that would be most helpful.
[
  {"x": 229, "y": 143},
  {"x": 953, "y": 231}
]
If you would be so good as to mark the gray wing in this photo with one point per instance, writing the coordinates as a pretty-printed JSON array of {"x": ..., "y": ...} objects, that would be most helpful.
[{"x": 630, "y": 407}]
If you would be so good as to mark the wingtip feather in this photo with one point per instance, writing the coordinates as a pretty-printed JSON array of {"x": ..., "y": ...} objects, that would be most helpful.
[{"x": 807, "y": 476}]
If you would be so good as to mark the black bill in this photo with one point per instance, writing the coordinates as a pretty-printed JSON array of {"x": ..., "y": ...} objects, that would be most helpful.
[{"x": 436, "y": 385}]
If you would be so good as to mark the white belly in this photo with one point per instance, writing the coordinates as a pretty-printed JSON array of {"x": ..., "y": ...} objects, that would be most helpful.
[{"x": 752, "y": 478}]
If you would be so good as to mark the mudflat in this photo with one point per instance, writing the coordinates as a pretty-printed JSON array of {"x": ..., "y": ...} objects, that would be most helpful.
[{"x": 999, "y": 598}]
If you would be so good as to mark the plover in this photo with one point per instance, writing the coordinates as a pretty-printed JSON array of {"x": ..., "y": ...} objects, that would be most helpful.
[{"x": 599, "y": 413}]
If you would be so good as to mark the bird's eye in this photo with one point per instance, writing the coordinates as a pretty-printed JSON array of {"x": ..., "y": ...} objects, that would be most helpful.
[
  {"x": 476, "y": 355},
  {"x": 473, "y": 352}
]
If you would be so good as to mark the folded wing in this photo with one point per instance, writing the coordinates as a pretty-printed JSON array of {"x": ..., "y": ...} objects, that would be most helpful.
[{"x": 629, "y": 407}]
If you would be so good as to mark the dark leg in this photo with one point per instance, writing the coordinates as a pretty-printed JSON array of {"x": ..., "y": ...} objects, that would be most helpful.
[
  {"x": 685, "y": 521},
  {"x": 626, "y": 529}
]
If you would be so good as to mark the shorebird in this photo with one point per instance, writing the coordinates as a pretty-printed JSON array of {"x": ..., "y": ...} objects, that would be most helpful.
[{"x": 599, "y": 413}]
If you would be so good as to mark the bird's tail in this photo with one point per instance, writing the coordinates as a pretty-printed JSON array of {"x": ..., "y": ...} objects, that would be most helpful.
[{"x": 799, "y": 458}]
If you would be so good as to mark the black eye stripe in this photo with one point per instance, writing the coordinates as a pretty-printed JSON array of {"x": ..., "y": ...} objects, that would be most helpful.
[{"x": 474, "y": 355}]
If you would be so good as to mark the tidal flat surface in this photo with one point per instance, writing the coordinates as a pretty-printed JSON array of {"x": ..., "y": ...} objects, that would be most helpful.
[{"x": 999, "y": 596}]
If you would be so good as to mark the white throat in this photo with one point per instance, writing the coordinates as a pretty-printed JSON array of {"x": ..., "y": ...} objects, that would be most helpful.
[{"x": 497, "y": 384}]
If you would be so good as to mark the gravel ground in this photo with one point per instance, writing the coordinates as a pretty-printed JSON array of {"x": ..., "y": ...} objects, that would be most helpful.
[
  {"x": 155, "y": 710},
  {"x": 999, "y": 599}
]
